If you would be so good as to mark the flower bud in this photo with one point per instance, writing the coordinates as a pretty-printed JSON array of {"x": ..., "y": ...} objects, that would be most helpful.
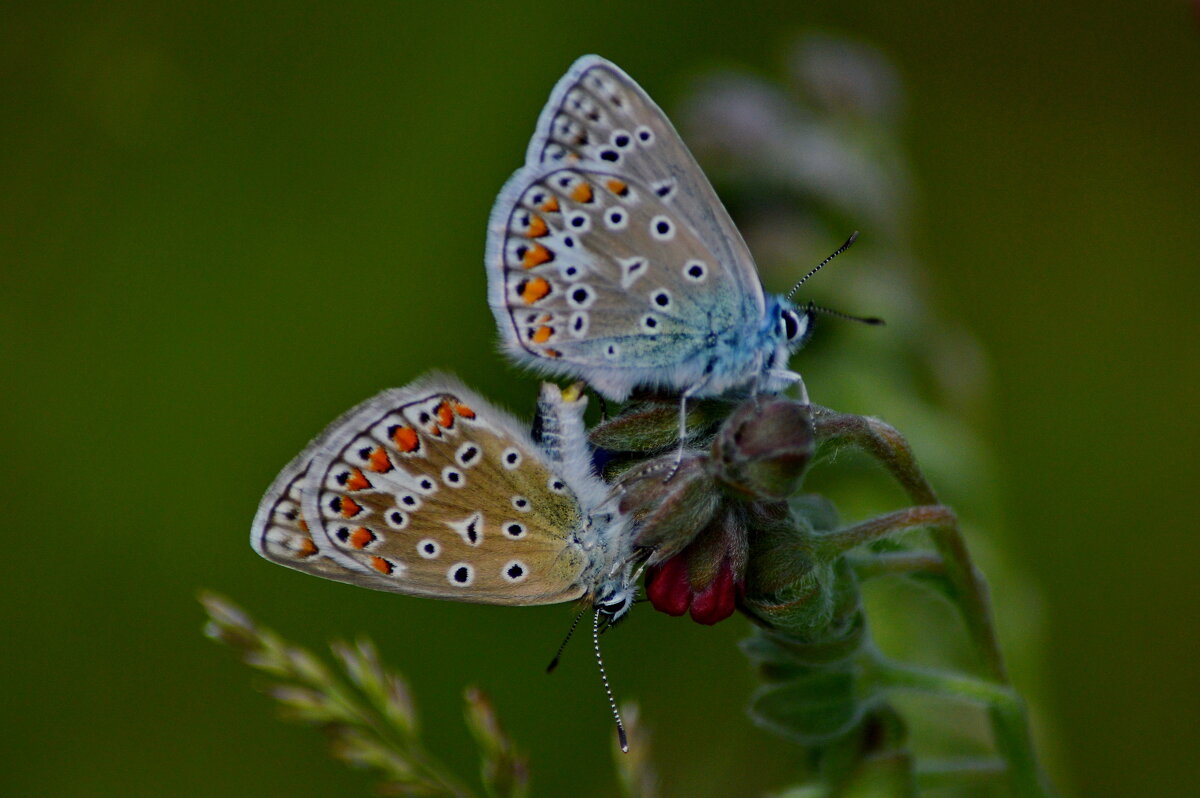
[
  {"x": 669, "y": 513},
  {"x": 764, "y": 447},
  {"x": 787, "y": 586},
  {"x": 706, "y": 577}
]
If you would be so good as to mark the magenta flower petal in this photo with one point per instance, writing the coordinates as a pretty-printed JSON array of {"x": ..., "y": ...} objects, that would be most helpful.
[
  {"x": 716, "y": 601},
  {"x": 667, "y": 586}
]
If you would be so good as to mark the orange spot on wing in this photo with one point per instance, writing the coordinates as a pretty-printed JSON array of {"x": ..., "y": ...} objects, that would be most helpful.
[
  {"x": 361, "y": 538},
  {"x": 306, "y": 548},
  {"x": 382, "y": 566},
  {"x": 618, "y": 187},
  {"x": 463, "y": 410},
  {"x": 536, "y": 256},
  {"x": 445, "y": 414},
  {"x": 356, "y": 480},
  {"x": 551, "y": 205},
  {"x": 552, "y": 353},
  {"x": 582, "y": 193},
  {"x": 349, "y": 507},
  {"x": 537, "y": 228},
  {"x": 303, "y": 526},
  {"x": 543, "y": 334},
  {"x": 406, "y": 439},
  {"x": 378, "y": 461},
  {"x": 535, "y": 289}
]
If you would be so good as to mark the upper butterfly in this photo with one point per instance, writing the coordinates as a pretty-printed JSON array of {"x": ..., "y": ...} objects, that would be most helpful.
[
  {"x": 611, "y": 259},
  {"x": 430, "y": 491}
]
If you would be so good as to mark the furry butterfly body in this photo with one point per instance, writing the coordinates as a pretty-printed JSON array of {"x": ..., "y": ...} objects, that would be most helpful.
[
  {"x": 611, "y": 259},
  {"x": 428, "y": 490}
]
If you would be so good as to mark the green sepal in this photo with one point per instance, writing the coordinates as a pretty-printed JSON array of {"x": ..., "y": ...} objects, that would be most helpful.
[
  {"x": 652, "y": 425},
  {"x": 815, "y": 707}
]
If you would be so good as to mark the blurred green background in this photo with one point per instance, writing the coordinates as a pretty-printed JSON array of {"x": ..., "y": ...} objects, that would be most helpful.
[{"x": 222, "y": 224}]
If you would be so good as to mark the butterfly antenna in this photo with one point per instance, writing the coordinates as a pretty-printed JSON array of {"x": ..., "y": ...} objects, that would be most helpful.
[
  {"x": 612, "y": 703},
  {"x": 558, "y": 654},
  {"x": 849, "y": 241},
  {"x": 837, "y": 314}
]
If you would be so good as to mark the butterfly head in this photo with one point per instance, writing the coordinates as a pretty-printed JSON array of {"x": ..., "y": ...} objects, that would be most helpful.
[
  {"x": 794, "y": 325},
  {"x": 614, "y": 598},
  {"x": 786, "y": 328}
]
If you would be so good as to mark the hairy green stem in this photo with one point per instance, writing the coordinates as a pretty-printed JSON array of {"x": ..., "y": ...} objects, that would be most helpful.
[
  {"x": 969, "y": 588},
  {"x": 1009, "y": 720},
  {"x": 1006, "y": 711},
  {"x": 901, "y": 563},
  {"x": 841, "y": 541},
  {"x": 936, "y": 773}
]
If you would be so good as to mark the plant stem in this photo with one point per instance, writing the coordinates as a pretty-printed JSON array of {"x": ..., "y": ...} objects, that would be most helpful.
[
  {"x": 1006, "y": 711},
  {"x": 936, "y": 773},
  {"x": 903, "y": 563},
  {"x": 841, "y": 541},
  {"x": 969, "y": 588}
]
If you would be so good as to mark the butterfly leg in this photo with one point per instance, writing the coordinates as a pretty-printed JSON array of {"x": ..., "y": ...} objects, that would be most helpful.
[
  {"x": 683, "y": 398},
  {"x": 791, "y": 377}
]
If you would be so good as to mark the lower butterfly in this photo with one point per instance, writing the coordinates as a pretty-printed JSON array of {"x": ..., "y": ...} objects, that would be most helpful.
[{"x": 428, "y": 490}]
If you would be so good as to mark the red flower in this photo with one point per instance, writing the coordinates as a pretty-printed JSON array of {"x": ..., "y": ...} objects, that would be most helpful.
[
  {"x": 670, "y": 591},
  {"x": 706, "y": 577}
]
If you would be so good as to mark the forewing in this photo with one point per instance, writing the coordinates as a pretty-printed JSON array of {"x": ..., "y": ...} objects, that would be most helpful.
[
  {"x": 598, "y": 114},
  {"x": 433, "y": 492}
]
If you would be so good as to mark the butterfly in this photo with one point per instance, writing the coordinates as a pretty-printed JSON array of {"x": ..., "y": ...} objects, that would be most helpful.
[
  {"x": 428, "y": 490},
  {"x": 610, "y": 258}
]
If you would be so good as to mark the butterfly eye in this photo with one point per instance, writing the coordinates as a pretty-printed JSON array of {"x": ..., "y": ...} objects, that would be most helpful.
[
  {"x": 614, "y": 601},
  {"x": 789, "y": 325}
]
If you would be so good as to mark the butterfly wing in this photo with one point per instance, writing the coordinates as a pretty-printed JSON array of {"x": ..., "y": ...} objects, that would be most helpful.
[
  {"x": 607, "y": 276},
  {"x": 428, "y": 490},
  {"x": 609, "y": 255},
  {"x": 281, "y": 534},
  {"x": 589, "y": 111}
]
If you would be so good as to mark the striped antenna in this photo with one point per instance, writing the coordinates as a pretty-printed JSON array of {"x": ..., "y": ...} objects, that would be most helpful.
[
  {"x": 849, "y": 241},
  {"x": 612, "y": 703}
]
